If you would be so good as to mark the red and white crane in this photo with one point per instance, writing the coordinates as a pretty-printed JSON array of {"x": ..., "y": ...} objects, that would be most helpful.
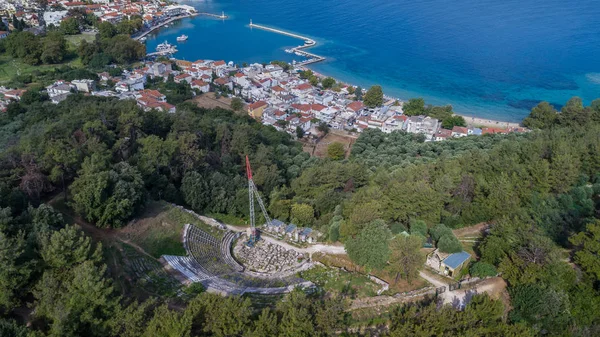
[{"x": 253, "y": 192}]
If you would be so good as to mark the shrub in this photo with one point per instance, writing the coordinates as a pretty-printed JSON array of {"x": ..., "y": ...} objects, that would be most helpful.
[
  {"x": 438, "y": 231},
  {"x": 397, "y": 228},
  {"x": 418, "y": 227},
  {"x": 482, "y": 269},
  {"x": 449, "y": 244}
]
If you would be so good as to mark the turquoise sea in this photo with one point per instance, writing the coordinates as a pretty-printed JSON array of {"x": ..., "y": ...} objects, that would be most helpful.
[{"x": 488, "y": 58}]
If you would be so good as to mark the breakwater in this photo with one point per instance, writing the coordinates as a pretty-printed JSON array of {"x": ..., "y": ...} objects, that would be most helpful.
[{"x": 299, "y": 50}]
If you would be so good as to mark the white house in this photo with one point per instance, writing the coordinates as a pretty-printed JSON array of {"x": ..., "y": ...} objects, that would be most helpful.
[
  {"x": 84, "y": 85},
  {"x": 200, "y": 85}
]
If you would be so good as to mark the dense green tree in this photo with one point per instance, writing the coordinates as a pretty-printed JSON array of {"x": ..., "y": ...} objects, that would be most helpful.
[
  {"x": 414, "y": 107},
  {"x": 70, "y": 26},
  {"x": 55, "y": 48},
  {"x": 481, "y": 317},
  {"x": 374, "y": 97},
  {"x": 418, "y": 227},
  {"x": 438, "y": 231},
  {"x": 358, "y": 93},
  {"x": 76, "y": 302},
  {"x": 107, "y": 30},
  {"x": 265, "y": 325},
  {"x": 295, "y": 313},
  {"x": 109, "y": 197},
  {"x": 12, "y": 329},
  {"x": 370, "y": 247},
  {"x": 545, "y": 309},
  {"x": 449, "y": 244},
  {"x": 132, "y": 320},
  {"x": 336, "y": 151},
  {"x": 542, "y": 116},
  {"x": 574, "y": 113},
  {"x": 168, "y": 323},
  {"x": 482, "y": 269},
  {"x": 299, "y": 132},
  {"x": 25, "y": 46},
  {"x": 15, "y": 272},
  {"x": 588, "y": 244},
  {"x": 452, "y": 121},
  {"x": 220, "y": 317},
  {"x": 406, "y": 258},
  {"x": 323, "y": 127},
  {"x": 237, "y": 104},
  {"x": 87, "y": 51},
  {"x": 439, "y": 112},
  {"x": 303, "y": 214},
  {"x": 328, "y": 83},
  {"x": 123, "y": 49},
  {"x": 69, "y": 247}
]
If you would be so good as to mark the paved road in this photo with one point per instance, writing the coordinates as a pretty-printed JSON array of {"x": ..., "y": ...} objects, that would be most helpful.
[{"x": 318, "y": 248}]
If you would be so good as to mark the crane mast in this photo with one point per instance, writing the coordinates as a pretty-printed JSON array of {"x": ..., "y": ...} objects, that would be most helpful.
[{"x": 252, "y": 193}]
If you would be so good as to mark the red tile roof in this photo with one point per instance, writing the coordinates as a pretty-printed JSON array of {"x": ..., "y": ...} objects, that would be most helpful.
[
  {"x": 460, "y": 129},
  {"x": 198, "y": 83},
  {"x": 444, "y": 133},
  {"x": 257, "y": 105},
  {"x": 304, "y": 87},
  {"x": 355, "y": 106}
]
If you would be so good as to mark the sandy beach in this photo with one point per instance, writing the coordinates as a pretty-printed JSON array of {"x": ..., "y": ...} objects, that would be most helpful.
[
  {"x": 490, "y": 123},
  {"x": 471, "y": 121}
]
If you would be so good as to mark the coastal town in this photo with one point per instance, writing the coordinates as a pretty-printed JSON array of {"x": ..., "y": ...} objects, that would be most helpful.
[
  {"x": 153, "y": 12},
  {"x": 290, "y": 97},
  {"x": 170, "y": 170}
]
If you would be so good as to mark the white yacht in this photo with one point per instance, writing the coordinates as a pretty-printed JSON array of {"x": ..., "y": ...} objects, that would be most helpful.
[
  {"x": 165, "y": 47},
  {"x": 182, "y": 38}
]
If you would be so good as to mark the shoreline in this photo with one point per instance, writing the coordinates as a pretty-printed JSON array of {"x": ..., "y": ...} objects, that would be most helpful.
[
  {"x": 181, "y": 17},
  {"x": 485, "y": 122},
  {"x": 470, "y": 120},
  {"x": 162, "y": 24},
  {"x": 309, "y": 43}
]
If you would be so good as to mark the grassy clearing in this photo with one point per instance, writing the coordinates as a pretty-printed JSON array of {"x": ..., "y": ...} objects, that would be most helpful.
[
  {"x": 341, "y": 282},
  {"x": 75, "y": 40},
  {"x": 159, "y": 229},
  {"x": 230, "y": 219},
  {"x": 10, "y": 67},
  {"x": 343, "y": 261}
]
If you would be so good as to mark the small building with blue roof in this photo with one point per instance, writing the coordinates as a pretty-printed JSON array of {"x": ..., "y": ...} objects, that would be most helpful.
[
  {"x": 276, "y": 226},
  {"x": 290, "y": 230},
  {"x": 448, "y": 264}
]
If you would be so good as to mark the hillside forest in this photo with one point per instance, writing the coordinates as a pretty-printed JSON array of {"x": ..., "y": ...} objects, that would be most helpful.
[{"x": 539, "y": 191}]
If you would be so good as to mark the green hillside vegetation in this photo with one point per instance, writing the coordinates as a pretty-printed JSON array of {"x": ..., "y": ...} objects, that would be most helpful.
[
  {"x": 159, "y": 229},
  {"x": 113, "y": 162}
]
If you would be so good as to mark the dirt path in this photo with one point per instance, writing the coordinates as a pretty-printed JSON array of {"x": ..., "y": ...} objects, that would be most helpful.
[
  {"x": 208, "y": 100},
  {"x": 106, "y": 236},
  {"x": 459, "y": 298}
]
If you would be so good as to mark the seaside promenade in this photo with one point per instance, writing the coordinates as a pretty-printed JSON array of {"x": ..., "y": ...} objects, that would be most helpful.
[
  {"x": 190, "y": 15},
  {"x": 308, "y": 43}
]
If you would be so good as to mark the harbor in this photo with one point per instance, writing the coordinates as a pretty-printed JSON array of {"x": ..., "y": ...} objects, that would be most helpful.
[
  {"x": 299, "y": 50},
  {"x": 142, "y": 36}
]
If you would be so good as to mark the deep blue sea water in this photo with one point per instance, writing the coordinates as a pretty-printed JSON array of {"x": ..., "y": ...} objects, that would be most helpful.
[{"x": 488, "y": 58}]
